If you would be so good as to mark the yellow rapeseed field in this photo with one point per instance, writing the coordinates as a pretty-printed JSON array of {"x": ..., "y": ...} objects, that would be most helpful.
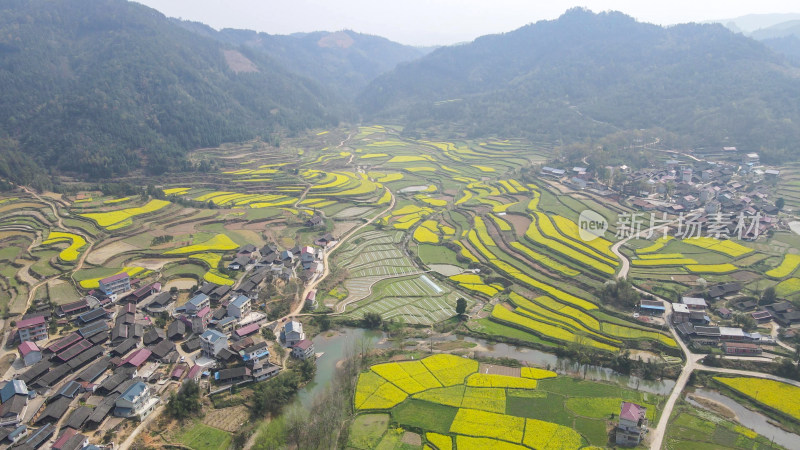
[{"x": 780, "y": 396}]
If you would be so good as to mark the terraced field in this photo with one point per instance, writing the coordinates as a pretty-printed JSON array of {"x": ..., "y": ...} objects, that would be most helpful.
[{"x": 383, "y": 279}]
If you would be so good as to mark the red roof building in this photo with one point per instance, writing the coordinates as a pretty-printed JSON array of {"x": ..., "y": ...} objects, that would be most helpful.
[
  {"x": 32, "y": 329},
  {"x": 194, "y": 373},
  {"x": 27, "y": 347},
  {"x": 137, "y": 358},
  {"x": 202, "y": 313},
  {"x": 632, "y": 412},
  {"x": 30, "y": 322},
  {"x": 30, "y": 353},
  {"x": 64, "y": 342},
  {"x": 247, "y": 330}
]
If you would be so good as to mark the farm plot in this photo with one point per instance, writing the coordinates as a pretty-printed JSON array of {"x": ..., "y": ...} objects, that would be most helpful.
[
  {"x": 410, "y": 300},
  {"x": 775, "y": 395},
  {"x": 789, "y": 264},
  {"x": 70, "y": 253},
  {"x": 113, "y": 219},
  {"x": 384, "y": 280},
  {"x": 446, "y": 400}
]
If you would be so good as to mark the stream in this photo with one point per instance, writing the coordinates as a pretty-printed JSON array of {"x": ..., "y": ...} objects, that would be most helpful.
[
  {"x": 333, "y": 345},
  {"x": 750, "y": 419}
]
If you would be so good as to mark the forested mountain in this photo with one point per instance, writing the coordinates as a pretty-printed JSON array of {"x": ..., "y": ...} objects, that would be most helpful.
[
  {"x": 779, "y": 32},
  {"x": 344, "y": 61},
  {"x": 588, "y": 74},
  {"x": 100, "y": 87}
]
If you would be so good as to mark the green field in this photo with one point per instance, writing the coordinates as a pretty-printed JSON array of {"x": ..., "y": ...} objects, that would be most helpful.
[{"x": 203, "y": 437}]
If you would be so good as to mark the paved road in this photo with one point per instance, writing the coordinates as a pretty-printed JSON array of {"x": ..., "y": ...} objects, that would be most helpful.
[{"x": 692, "y": 359}]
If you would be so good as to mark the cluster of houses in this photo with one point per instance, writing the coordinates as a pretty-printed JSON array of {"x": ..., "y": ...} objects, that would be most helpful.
[
  {"x": 736, "y": 185},
  {"x": 115, "y": 363},
  {"x": 691, "y": 319},
  {"x": 303, "y": 262}
]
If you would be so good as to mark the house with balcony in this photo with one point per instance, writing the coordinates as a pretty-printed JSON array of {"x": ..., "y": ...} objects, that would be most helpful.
[
  {"x": 303, "y": 349},
  {"x": 136, "y": 401},
  {"x": 115, "y": 284},
  {"x": 32, "y": 329}
]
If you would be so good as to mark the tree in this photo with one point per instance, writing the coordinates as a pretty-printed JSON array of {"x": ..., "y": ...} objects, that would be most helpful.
[
  {"x": 324, "y": 322},
  {"x": 307, "y": 369},
  {"x": 268, "y": 334},
  {"x": 186, "y": 402},
  {"x": 372, "y": 320},
  {"x": 745, "y": 321},
  {"x": 779, "y": 203},
  {"x": 461, "y": 306},
  {"x": 769, "y": 296},
  {"x": 619, "y": 292}
]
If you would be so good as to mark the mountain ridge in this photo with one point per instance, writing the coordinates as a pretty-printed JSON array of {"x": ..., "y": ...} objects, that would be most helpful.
[
  {"x": 585, "y": 75},
  {"x": 344, "y": 61}
]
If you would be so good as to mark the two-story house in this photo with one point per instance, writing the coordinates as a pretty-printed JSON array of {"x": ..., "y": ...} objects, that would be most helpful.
[{"x": 212, "y": 342}]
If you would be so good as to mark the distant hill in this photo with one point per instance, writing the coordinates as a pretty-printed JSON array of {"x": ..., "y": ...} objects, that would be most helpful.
[
  {"x": 780, "y": 32},
  {"x": 752, "y": 22},
  {"x": 588, "y": 74},
  {"x": 344, "y": 61},
  {"x": 102, "y": 87}
]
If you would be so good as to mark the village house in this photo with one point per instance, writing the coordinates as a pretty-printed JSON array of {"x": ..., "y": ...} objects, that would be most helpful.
[
  {"x": 135, "y": 401},
  {"x": 212, "y": 342},
  {"x": 159, "y": 302},
  {"x": 14, "y": 399},
  {"x": 303, "y": 349},
  {"x": 632, "y": 424},
  {"x": 292, "y": 333},
  {"x": 239, "y": 263},
  {"x": 741, "y": 348},
  {"x": 239, "y": 307},
  {"x": 651, "y": 307},
  {"x": 32, "y": 329},
  {"x": 201, "y": 320},
  {"x": 311, "y": 299},
  {"x": 30, "y": 353},
  {"x": 232, "y": 375},
  {"x": 176, "y": 330},
  {"x": 143, "y": 292},
  {"x": 680, "y": 313},
  {"x": 115, "y": 284},
  {"x": 325, "y": 241},
  {"x": 197, "y": 303},
  {"x": 694, "y": 303}
]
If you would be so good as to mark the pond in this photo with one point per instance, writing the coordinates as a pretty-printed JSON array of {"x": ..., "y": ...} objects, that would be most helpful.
[{"x": 750, "y": 419}]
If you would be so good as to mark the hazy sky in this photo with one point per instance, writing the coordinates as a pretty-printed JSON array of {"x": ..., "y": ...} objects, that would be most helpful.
[{"x": 438, "y": 22}]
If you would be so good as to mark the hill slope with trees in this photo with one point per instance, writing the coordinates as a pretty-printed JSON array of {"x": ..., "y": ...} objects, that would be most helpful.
[
  {"x": 344, "y": 61},
  {"x": 587, "y": 75},
  {"x": 102, "y": 87}
]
